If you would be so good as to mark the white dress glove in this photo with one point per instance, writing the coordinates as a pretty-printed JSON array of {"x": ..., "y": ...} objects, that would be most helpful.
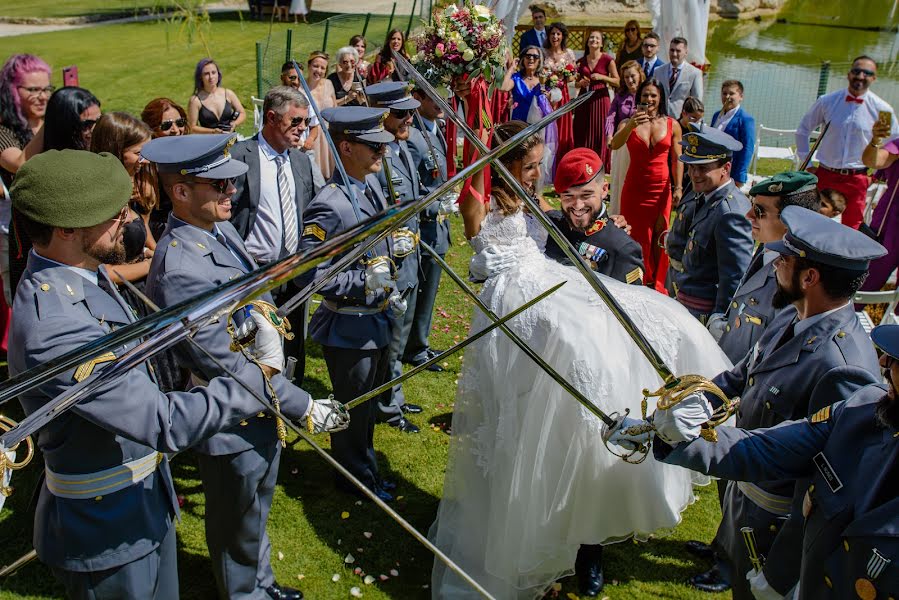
[
  {"x": 760, "y": 588},
  {"x": 266, "y": 347},
  {"x": 716, "y": 325},
  {"x": 326, "y": 415},
  {"x": 397, "y": 304},
  {"x": 490, "y": 261},
  {"x": 378, "y": 278},
  {"x": 403, "y": 245},
  {"x": 620, "y": 435},
  {"x": 682, "y": 422},
  {"x": 447, "y": 204}
]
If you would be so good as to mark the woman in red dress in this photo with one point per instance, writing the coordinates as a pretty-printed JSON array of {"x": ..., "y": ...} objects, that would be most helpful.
[
  {"x": 596, "y": 71},
  {"x": 556, "y": 56},
  {"x": 653, "y": 141}
]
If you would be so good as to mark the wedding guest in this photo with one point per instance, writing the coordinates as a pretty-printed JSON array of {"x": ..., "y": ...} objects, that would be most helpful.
[
  {"x": 556, "y": 56},
  {"x": 324, "y": 96},
  {"x": 24, "y": 92},
  {"x": 833, "y": 203},
  {"x": 690, "y": 120},
  {"x": 383, "y": 67},
  {"x": 165, "y": 117},
  {"x": 596, "y": 72},
  {"x": 346, "y": 82},
  {"x": 885, "y": 220},
  {"x": 299, "y": 8},
  {"x": 523, "y": 81},
  {"x": 631, "y": 47},
  {"x": 620, "y": 110},
  {"x": 680, "y": 78},
  {"x": 212, "y": 108},
  {"x": 648, "y": 61},
  {"x": 653, "y": 141},
  {"x": 309, "y": 135},
  {"x": 851, "y": 113},
  {"x": 360, "y": 44},
  {"x": 536, "y": 35},
  {"x": 733, "y": 120}
]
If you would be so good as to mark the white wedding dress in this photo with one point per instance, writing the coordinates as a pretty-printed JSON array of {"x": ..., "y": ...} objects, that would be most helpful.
[{"x": 528, "y": 478}]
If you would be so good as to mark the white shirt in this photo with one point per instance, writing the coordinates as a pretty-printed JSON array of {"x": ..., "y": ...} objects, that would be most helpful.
[
  {"x": 850, "y": 128},
  {"x": 541, "y": 36},
  {"x": 313, "y": 122},
  {"x": 724, "y": 119},
  {"x": 804, "y": 324},
  {"x": 266, "y": 241}
]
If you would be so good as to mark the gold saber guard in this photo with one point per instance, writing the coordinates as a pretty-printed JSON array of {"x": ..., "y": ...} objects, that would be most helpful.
[{"x": 676, "y": 389}]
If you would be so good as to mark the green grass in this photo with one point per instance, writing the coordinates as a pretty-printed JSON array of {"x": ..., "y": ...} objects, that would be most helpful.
[{"x": 78, "y": 8}]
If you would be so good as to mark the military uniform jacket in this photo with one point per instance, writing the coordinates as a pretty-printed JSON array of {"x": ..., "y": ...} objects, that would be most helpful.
[
  {"x": 749, "y": 313},
  {"x": 407, "y": 186},
  {"x": 330, "y": 213},
  {"x": 719, "y": 247},
  {"x": 679, "y": 231},
  {"x": 623, "y": 259},
  {"x": 186, "y": 263},
  {"x": 435, "y": 231},
  {"x": 819, "y": 366},
  {"x": 57, "y": 310},
  {"x": 850, "y": 542}
]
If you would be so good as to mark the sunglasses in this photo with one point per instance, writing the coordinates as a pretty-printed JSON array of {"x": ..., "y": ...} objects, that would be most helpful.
[
  {"x": 88, "y": 124},
  {"x": 401, "y": 114},
  {"x": 219, "y": 185},
  {"x": 122, "y": 217},
  {"x": 865, "y": 72},
  {"x": 295, "y": 122},
  {"x": 630, "y": 29},
  {"x": 37, "y": 91},
  {"x": 373, "y": 146},
  {"x": 166, "y": 125},
  {"x": 759, "y": 211},
  {"x": 532, "y": 56}
]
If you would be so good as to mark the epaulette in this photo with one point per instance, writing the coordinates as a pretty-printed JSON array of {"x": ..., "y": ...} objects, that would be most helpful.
[
  {"x": 315, "y": 230},
  {"x": 822, "y": 416}
]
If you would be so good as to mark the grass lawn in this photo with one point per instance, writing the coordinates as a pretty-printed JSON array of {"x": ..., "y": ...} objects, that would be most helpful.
[{"x": 78, "y": 8}]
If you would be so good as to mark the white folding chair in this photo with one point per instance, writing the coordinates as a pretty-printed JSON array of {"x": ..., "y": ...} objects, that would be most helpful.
[
  {"x": 258, "y": 119},
  {"x": 787, "y": 152},
  {"x": 888, "y": 297},
  {"x": 872, "y": 197}
]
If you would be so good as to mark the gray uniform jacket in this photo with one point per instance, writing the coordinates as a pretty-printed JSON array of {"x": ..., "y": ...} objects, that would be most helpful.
[
  {"x": 330, "y": 213},
  {"x": 749, "y": 313},
  {"x": 849, "y": 463},
  {"x": 719, "y": 247},
  {"x": 57, "y": 311},
  {"x": 826, "y": 363},
  {"x": 246, "y": 198},
  {"x": 407, "y": 186},
  {"x": 435, "y": 228},
  {"x": 186, "y": 263}
]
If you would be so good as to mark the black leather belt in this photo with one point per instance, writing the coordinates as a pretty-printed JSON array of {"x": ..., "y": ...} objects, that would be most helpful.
[{"x": 844, "y": 171}]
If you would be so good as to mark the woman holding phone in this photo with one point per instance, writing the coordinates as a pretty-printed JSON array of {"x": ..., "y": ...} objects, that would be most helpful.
[
  {"x": 212, "y": 108},
  {"x": 653, "y": 142},
  {"x": 345, "y": 79}
]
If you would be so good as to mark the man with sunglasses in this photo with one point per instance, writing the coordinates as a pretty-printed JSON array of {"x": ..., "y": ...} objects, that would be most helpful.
[
  {"x": 406, "y": 184},
  {"x": 271, "y": 195},
  {"x": 851, "y": 113},
  {"x": 290, "y": 78},
  {"x": 200, "y": 250}
]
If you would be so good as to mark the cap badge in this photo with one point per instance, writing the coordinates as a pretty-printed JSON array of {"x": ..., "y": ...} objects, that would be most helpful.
[
  {"x": 588, "y": 169},
  {"x": 231, "y": 142},
  {"x": 775, "y": 187},
  {"x": 692, "y": 140}
]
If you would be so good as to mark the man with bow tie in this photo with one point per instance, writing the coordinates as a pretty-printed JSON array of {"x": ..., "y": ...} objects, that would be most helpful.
[{"x": 851, "y": 114}]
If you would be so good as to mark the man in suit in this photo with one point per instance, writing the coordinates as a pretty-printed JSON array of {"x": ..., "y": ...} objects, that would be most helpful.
[
  {"x": 649, "y": 62},
  {"x": 102, "y": 535},
  {"x": 536, "y": 35},
  {"x": 291, "y": 78},
  {"x": 271, "y": 195},
  {"x": 738, "y": 124},
  {"x": 198, "y": 251},
  {"x": 679, "y": 78}
]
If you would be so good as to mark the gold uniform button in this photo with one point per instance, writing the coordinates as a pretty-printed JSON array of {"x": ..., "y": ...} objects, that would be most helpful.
[
  {"x": 260, "y": 414},
  {"x": 828, "y": 582},
  {"x": 751, "y": 381},
  {"x": 734, "y": 304},
  {"x": 727, "y": 328},
  {"x": 841, "y": 334},
  {"x": 45, "y": 287},
  {"x": 773, "y": 528},
  {"x": 243, "y": 423},
  {"x": 846, "y": 545},
  {"x": 768, "y": 405},
  {"x": 174, "y": 243},
  {"x": 98, "y": 498},
  {"x": 811, "y": 488}
]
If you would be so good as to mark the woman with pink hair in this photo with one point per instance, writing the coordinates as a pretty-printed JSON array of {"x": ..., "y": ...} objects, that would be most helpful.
[{"x": 24, "y": 91}]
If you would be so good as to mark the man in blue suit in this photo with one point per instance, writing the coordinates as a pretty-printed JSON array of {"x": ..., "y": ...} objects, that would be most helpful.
[
  {"x": 738, "y": 124},
  {"x": 649, "y": 62},
  {"x": 536, "y": 35}
]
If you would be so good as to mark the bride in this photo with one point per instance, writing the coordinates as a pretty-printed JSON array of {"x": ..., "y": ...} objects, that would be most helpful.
[{"x": 528, "y": 479}]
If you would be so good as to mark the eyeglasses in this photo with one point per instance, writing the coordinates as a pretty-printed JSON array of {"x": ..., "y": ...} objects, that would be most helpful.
[
  {"x": 400, "y": 113},
  {"x": 373, "y": 146},
  {"x": 219, "y": 185},
  {"x": 650, "y": 45},
  {"x": 166, "y": 125},
  {"x": 37, "y": 91},
  {"x": 122, "y": 217},
  {"x": 759, "y": 211},
  {"x": 532, "y": 56},
  {"x": 630, "y": 29},
  {"x": 88, "y": 124},
  {"x": 294, "y": 122},
  {"x": 865, "y": 72}
]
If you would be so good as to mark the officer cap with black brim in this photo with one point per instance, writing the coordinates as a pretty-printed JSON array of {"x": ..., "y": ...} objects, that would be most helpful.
[
  {"x": 706, "y": 145},
  {"x": 820, "y": 239},
  {"x": 392, "y": 94},
  {"x": 360, "y": 122},
  {"x": 886, "y": 337},
  {"x": 202, "y": 155}
]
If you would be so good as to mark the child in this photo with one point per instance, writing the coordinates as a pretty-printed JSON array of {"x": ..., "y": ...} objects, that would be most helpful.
[{"x": 833, "y": 203}]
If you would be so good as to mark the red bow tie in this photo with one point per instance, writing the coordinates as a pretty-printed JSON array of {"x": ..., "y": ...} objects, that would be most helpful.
[{"x": 851, "y": 98}]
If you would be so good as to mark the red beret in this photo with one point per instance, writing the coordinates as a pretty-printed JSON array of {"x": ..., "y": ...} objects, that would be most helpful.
[{"x": 577, "y": 167}]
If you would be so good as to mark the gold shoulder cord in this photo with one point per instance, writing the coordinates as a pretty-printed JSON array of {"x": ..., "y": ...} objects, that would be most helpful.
[
  {"x": 270, "y": 312},
  {"x": 676, "y": 389},
  {"x": 5, "y": 463}
]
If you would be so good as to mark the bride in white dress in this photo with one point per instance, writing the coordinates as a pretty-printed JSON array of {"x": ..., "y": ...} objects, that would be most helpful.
[{"x": 528, "y": 478}]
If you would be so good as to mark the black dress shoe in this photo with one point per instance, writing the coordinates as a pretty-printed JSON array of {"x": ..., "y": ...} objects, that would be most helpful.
[
  {"x": 387, "y": 486},
  {"x": 700, "y": 549},
  {"x": 404, "y": 426},
  {"x": 278, "y": 592},
  {"x": 432, "y": 353},
  {"x": 379, "y": 491},
  {"x": 436, "y": 368},
  {"x": 588, "y": 568},
  {"x": 411, "y": 409},
  {"x": 711, "y": 581}
]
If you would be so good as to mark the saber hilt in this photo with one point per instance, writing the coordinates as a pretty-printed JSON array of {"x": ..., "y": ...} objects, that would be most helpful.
[{"x": 757, "y": 560}]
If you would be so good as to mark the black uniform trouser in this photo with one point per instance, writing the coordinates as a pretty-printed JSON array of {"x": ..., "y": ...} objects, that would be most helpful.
[
  {"x": 354, "y": 372},
  {"x": 296, "y": 347},
  {"x": 391, "y": 404},
  {"x": 417, "y": 345}
]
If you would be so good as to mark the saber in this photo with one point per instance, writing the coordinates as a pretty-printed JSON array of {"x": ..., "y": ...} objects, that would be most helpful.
[
  {"x": 330, "y": 459},
  {"x": 752, "y": 548},
  {"x": 814, "y": 148},
  {"x": 18, "y": 563},
  {"x": 673, "y": 389},
  {"x": 499, "y": 322}
]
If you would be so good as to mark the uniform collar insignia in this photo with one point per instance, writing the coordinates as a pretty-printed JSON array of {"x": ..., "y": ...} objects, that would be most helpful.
[{"x": 597, "y": 226}]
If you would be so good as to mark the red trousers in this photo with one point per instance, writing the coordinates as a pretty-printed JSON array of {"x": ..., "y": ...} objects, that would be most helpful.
[{"x": 854, "y": 187}]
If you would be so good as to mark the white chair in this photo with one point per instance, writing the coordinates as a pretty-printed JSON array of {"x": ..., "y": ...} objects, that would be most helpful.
[
  {"x": 787, "y": 152},
  {"x": 872, "y": 197},
  {"x": 888, "y": 297},
  {"x": 257, "y": 113}
]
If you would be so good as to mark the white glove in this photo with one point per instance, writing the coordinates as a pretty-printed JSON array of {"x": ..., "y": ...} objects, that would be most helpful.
[
  {"x": 378, "y": 278},
  {"x": 403, "y": 244},
  {"x": 620, "y": 435},
  {"x": 266, "y": 347},
  {"x": 326, "y": 415},
  {"x": 682, "y": 422},
  {"x": 490, "y": 262},
  {"x": 760, "y": 588},
  {"x": 716, "y": 325},
  {"x": 447, "y": 204},
  {"x": 397, "y": 305}
]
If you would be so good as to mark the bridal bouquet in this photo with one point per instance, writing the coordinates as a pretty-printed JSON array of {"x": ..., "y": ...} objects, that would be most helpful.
[
  {"x": 465, "y": 42},
  {"x": 555, "y": 79}
]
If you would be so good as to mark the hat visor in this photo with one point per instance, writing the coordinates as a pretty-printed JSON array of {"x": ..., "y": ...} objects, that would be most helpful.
[
  {"x": 886, "y": 337},
  {"x": 227, "y": 170},
  {"x": 692, "y": 160},
  {"x": 404, "y": 104},
  {"x": 378, "y": 137},
  {"x": 780, "y": 248}
]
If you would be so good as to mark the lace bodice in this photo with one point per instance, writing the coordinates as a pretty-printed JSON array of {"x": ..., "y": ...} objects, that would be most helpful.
[{"x": 519, "y": 231}]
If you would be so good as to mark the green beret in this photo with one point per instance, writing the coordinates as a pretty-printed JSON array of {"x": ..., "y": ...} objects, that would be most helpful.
[
  {"x": 71, "y": 188},
  {"x": 784, "y": 184}
]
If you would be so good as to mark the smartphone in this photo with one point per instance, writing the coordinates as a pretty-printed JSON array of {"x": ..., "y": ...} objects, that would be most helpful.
[
  {"x": 70, "y": 76},
  {"x": 641, "y": 107},
  {"x": 885, "y": 117},
  {"x": 234, "y": 115},
  {"x": 357, "y": 86}
]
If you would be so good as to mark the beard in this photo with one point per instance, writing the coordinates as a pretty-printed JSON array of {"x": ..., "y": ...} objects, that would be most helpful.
[
  {"x": 887, "y": 410},
  {"x": 107, "y": 256},
  {"x": 592, "y": 219},
  {"x": 783, "y": 297}
]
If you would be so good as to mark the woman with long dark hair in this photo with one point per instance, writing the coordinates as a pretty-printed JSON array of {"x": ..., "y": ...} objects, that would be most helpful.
[
  {"x": 597, "y": 73},
  {"x": 631, "y": 46},
  {"x": 384, "y": 67},
  {"x": 557, "y": 55},
  {"x": 212, "y": 108}
]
